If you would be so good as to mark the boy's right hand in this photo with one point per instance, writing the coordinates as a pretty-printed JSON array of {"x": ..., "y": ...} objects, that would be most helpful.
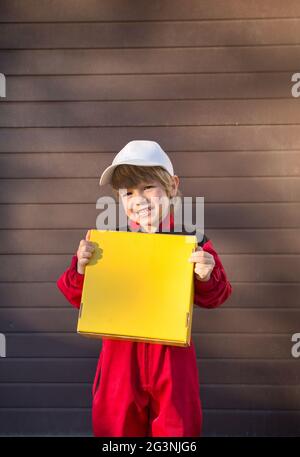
[{"x": 84, "y": 253}]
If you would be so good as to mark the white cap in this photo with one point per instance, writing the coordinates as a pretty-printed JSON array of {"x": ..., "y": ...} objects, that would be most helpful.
[{"x": 143, "y": 153}]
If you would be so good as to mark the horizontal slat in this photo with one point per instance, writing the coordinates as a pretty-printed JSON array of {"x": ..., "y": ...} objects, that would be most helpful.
[
  {"x": 117, "y": 10},
  {"x": 267, "y": 372},
  {"x": 244, "y": 346},
  {"x": 236, "y": 371},
  {"x": 86, "y": 190},
  {"x": 262, "y": 241},
  {"x": 139, "y": 61},
  {"x": 217, "y": 215},
  {"x": 33, "y": 295},
  {"x": 192, "y": 139},
  {"x": 150, "y": 34},
  {"x": 162, "y": 113},
  {"x": 251, "y": 397},
  {"x": 89, "y": 165},
  {"x": 52, "y": 345},
  {"x": 204, "y": 321},
  {"x": 250, "y": 423},
  {"x": 242, "y": 267},
  {"x": 146, "y": 87},
  {"x": 253, "y": 241},
  {"x": 48, "y": 370},
  {"x": 244, "y": 320},
  {"x": 43, "y": 422},
  {"x": 209, "y": 346},
  {"x": 46, "y": 396},
  {"x": 264, "y": 295},
  {"x": 212, "y": 397},
  {"x": 47, "y": 295}
]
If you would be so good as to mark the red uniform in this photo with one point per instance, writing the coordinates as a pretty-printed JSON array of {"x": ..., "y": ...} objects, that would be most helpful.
[{"x": 149, "y": 389}]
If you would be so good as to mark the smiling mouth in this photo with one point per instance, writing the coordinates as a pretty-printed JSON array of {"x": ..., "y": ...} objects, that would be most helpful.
[{"x": 144, "y": 212}]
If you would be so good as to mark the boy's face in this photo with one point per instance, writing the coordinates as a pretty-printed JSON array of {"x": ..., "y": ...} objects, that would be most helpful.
[{"x": 147, "y": 203}]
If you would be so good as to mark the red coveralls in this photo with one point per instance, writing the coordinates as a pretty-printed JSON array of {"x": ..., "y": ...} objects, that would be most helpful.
[{"x": 149, "y": 389}]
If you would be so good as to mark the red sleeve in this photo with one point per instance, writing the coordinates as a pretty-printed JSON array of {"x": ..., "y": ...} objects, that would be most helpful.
[
  {"x": 70, "y": 283},
  {"x": 215, "y": 291}
]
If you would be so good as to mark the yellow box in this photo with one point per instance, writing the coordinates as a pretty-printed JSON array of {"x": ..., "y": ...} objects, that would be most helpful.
[{"x": 139, "y": 286}]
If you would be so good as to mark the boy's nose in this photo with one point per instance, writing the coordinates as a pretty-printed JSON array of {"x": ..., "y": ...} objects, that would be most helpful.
[{"x": 141, "y": 202}]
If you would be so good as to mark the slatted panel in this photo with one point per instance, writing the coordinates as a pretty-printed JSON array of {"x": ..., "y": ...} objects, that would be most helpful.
[
  {"x": 95, "y": 114},
  {"x": 235, "y": 215},
  {"x": 208, "y": 346},
  {"x": 195, "y": 139},
  {"x": 225, "y": 321},
  {"x": 254, "y": 241},
  {"x": 227, "y": 372},
  {"x": 117, "y": 10},
  {"x": 129, "y": 87},
  {"x": 215, "y": 163},
  {"x": 133, "y": 35},
  {"x": 84, "y": 191},
  {"x": 211, "y": 82},
  {"x": 264, "y": 295},
  {"x": 78, "y": 395},
  {"x": 139, "y": 61},
  {"x": 244, "y": 267}
]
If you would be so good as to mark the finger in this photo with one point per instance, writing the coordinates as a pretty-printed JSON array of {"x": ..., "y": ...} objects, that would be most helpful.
[
  {"x": 83, "y": 261},
  {"x": 201, "y": 253},
  {"x": 199, "y": 267},
  {"x": 87, "y": 248},
  {"x": 86, "y": 255},
  {"x": 86, "y": 244},
  {"x": 202, "y": 271},
  {"x": 88, "y": 234},
  {"x": 202, "y": 259},
  {"x": 205, "y": 262}
]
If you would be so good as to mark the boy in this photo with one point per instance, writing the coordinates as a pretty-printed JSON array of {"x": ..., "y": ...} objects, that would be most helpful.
[{"x": 147, "y": 389}]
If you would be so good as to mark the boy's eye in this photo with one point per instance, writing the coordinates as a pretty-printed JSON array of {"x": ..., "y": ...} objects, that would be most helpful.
[{"x": 145, "y": 187}]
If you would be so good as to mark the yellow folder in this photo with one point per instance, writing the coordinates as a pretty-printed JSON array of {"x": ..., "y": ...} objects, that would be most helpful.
[{"x": 139, "y": 286}]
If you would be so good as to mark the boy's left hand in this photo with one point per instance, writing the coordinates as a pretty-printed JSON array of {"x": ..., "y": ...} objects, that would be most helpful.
[{"x": 204, "y": 264}]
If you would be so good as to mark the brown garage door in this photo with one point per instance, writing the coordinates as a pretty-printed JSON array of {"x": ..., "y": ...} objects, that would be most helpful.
[{"x": 211, "y": 82}]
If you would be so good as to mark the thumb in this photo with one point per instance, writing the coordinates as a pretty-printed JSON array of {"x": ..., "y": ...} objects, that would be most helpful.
[
  {"x": 88, "y": 234},
  {"x": 197, "y": 248}
]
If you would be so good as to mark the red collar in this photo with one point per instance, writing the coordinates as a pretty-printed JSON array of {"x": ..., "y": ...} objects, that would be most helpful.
[{"x": 168, "y": 223}]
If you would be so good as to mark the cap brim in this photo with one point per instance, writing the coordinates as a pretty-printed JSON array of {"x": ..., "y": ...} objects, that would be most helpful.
[{"x": 107, "y": 174}]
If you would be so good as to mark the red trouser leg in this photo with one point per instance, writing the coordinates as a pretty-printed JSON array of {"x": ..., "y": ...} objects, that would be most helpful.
[
  {"x": 120, "y": 406},
  {"x": 122, "y": 418},
  {"x": 175, "y": 404}
]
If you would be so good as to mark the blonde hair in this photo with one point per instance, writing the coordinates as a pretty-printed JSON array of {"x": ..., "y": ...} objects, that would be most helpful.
[{"x": 128, "y": 176}]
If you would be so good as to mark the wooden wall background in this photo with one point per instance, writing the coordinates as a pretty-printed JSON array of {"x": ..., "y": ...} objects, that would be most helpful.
[{"x": 211, "y": 82}]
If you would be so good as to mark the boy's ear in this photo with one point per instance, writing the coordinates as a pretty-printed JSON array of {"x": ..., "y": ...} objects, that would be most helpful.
[{"x": 175, "y": 184}]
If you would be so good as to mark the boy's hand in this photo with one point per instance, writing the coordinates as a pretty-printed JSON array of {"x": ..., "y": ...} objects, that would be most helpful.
[
  {"x": 204, "y": 264},
  {"x": 84, "y": 253}
]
